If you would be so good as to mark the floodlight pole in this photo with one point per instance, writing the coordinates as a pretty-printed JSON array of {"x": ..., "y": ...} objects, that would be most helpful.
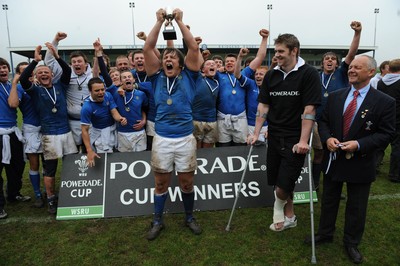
[
  {"x": 376, "y": 12},
  {"x": 5, "y": 8},
  {"x": 132, "y": 6},
  {"x": 269, "y": 8}
]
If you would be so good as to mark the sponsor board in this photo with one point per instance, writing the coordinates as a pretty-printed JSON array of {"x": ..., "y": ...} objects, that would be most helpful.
[{"x": 122, "y": 184}]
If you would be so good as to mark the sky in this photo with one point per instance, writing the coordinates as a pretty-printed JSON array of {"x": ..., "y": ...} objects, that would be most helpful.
[{"x": 314, "y": 22}]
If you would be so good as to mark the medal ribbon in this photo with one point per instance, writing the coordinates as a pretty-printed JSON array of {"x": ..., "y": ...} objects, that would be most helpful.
[
  {"x": 138, "y": 78},
  {"x": 233, "y": 82},
  {"x": 54, "y": 100},
  {"x": 209, "y": 85},
  {"x": 4, "y": 88},
  {"x": 327, "y": 83},
  {"x": 172, "y": 85},
  {"x": 127, "y": 102}
]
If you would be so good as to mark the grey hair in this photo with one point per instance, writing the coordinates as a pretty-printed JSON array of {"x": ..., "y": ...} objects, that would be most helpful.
[{"x": 371, "y": 61}]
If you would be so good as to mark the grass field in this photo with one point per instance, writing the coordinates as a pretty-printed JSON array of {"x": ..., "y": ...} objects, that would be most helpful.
[{"x": 30, "y": 236}]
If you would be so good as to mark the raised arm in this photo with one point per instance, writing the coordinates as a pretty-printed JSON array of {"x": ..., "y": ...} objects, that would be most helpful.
[
  {"x": 13, "y": 99},
  {"x": 142, "y": 36},
  {"x": 193, "y": 59},
  {"x": 356, "y": 26},
  {"x": 51, "y": 61},
  {"x": 238, "y": 65},
  {"x": 27, "y": 73},
  {"x": 66, "y": 70},
  {"x": 262, "y": 50},
  {"x": 151, "y": 61},
  {"x": 98, "y": 50}
]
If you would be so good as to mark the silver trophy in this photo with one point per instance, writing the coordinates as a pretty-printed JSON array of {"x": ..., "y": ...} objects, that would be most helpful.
[{"x": 169, "y": 32}]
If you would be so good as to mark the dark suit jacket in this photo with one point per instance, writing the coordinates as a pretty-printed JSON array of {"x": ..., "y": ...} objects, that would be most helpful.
[{"x": 373, "y": 127}]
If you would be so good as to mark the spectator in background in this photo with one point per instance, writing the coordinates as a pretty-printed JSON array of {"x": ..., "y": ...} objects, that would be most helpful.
[
  {"x": 383, "y": 70},
  {"x": 390, "y": 84}
]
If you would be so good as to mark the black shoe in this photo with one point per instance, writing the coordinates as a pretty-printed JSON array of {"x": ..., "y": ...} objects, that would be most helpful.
[
  {"x": 318, "y": 239},
  {"x": 3, "y": 214},
  {"x": 154, "y": 231},
  {"x": 39, "y": 202},
  {"x": 394, "y": 179},
  {"x": 52, "y": 207},
  {"x": 194, "y": 227},
  {"x": 354, "y": 254}
]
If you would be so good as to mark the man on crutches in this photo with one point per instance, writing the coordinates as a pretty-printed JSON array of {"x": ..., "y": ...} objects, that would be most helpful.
[{"x": 288, "y": 98}]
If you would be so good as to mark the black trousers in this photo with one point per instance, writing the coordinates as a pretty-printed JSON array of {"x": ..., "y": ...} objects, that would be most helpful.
[
  {"x": 355, "y": 214},
  {"x": 14, "y": 170}
]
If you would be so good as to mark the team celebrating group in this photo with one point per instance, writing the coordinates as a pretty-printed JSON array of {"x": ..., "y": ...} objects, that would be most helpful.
[{"x": 175, "y": 102}]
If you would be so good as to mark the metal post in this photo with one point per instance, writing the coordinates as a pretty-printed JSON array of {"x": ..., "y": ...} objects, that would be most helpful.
[
  {"x": 376, "y": 11},
  {"x": 5, "y": 8},
  {"x": 132, "y": 6},
  {"x": 269, "y": 8}
]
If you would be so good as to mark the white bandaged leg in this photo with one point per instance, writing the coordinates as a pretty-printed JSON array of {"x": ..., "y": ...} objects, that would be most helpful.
[{"x": 279, "y": 205}]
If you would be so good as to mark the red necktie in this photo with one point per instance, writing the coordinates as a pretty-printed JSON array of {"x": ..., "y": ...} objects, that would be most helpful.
[{"x": 349, "y": 113}]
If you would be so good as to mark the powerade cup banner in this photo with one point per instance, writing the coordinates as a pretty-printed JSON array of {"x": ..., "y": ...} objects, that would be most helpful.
[{"x": 122, "y": 184}]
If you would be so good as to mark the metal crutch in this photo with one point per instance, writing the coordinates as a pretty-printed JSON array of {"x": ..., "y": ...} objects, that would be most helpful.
[
  {"x": 313, "y": 258},
  {"x": 257, "y": 143}
]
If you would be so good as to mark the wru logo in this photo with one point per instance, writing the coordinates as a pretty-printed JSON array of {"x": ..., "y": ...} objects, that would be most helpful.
[{"x": 83, "y": 165}]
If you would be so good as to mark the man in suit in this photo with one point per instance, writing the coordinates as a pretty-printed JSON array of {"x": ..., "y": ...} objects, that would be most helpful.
[{"x": 351, "y": 151}]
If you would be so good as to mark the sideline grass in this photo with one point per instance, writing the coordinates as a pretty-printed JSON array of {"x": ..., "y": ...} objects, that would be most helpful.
[{"x": 30, "y": 237}]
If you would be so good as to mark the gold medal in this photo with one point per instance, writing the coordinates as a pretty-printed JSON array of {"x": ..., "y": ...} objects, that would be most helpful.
[
  {"x": 326, "y": 94},
  {"x": 54, "y": 110},
  {"x": 233, "y": 91},
  {"x": 169, "y": 101},
  {"x": 349, "y": 155},
  {"x": 127, "y": 108}
]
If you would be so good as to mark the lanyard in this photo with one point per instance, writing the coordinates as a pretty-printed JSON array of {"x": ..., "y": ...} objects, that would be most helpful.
[
  {"x": 172, "y": 85},
  {"x": 127, "y": 102},
  {"x": 323, "y": 81},
  {"x": 4, "y": 88},
  {"x": 209, "y": 85},
  {"x": 233, "y": 82},
  {"x": 54, "y": 100},
  {"x": 80, "y": 84},
  {"x": 138, "y": 78}
]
